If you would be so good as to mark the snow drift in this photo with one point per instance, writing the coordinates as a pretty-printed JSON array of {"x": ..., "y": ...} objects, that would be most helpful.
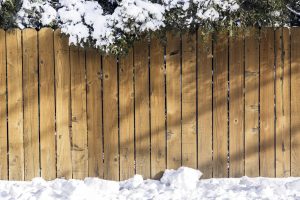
[{"x": 184, "y": 183}]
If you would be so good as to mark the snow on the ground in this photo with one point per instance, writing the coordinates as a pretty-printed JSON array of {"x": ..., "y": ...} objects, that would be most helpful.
[{"x": 183, "y": 183}]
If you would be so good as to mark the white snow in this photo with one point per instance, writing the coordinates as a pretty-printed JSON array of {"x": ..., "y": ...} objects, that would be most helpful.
[
  {"x": 184, "y": 183},
  {"x": 84, "y": 20},
  {"x": 184, "y": 178}
]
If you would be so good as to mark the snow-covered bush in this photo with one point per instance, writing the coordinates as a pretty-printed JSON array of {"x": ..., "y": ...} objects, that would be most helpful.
[
  {"x": 112, "y": 25},
  {"x": 8, "y": 11},
  {"x": 36, "y": 14}
]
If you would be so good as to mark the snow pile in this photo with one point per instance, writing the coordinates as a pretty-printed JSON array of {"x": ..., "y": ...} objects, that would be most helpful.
[
  {"x": 185, "y": 178},
  {"x": 183, "y": 183}
]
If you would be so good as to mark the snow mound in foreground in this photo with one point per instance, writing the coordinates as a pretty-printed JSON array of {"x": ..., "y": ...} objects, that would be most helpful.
[
  {"x": 183, "y": 183},
  {"x": 184, "y": 178}
]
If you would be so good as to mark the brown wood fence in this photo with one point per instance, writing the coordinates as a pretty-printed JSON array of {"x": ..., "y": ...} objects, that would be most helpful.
[{"x": 229, "y": 106}]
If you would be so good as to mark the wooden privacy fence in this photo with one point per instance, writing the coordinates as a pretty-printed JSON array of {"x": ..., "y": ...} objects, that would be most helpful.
[{"x": 228, "y": 106}]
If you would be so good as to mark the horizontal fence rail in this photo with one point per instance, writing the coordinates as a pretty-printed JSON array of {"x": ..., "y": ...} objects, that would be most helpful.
[{"x": 227, "y": 105}]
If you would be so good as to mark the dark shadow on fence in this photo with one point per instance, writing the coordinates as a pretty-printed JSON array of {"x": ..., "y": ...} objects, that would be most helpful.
[{"x": 145, "y": 136}]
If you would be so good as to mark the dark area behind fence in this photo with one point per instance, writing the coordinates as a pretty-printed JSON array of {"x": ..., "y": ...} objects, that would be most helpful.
[{"x": 229, "y": 106}]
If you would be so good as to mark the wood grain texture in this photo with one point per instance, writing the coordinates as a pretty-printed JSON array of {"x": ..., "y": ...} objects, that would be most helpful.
[
  {"x": 68, "y": 112},
  {"x": 63, "y": 105},
  {"x": 47, "y": 104},
  {"x": 295, "y": 101},
  {"x": 142, "y": 119},
  {"x": 204, "y": 59},
  {"x": 283, "y": 99},
  {"x": 157, "y": 102},
  {"x": 220, "y": 127},
  {"x": 267, "y": 115},
  {"x": 94, "y": 113},
  {"x": 3, "y": 109},
  {"x": 189, "y": 135},
  {"x": 126, "y": 107},
  {"x": 15, "y": 104},
  {"x": 173, "y": 81},
  {"x": 79, "y": 121},
  {"x": 252, "y": 103},
  {"x": 110, "y": 118},
  {"x": 31, "y": 104},
  {"x": 236, "y": 105}
]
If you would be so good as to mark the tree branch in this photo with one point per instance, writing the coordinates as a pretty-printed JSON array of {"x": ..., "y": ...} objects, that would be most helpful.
[{"x": 292, "y": 10}]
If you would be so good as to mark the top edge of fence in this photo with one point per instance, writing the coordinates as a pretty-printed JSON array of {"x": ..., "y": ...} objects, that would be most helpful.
[{"x": 59, "y": 29}]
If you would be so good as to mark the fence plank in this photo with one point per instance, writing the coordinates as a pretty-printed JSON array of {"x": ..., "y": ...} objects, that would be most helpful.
[
  {"x": 157, "y": 100},
  {"x": 94, "y": 113},
  {"x": 168, "y": 132},
  {"x": 173, "y": 81},
  {"x": 47, "y": 104},
  {"x": 15, "y": 104},
  {"x": 267, "y": 151},
  {"x": 142, "y": 120},
  {"x": 282, "y": 48},
  {"x": 189, "y": 137},
  {"x": 3, "y": 108},
  {"x": 110, "y": 118},
  {"x": 205, "y": 105},
  {"x": 79, "y": 123},
  {"x": 251, "y": 103},
  {"x": 30, "y": 93},
  {"x": 126, "y": 107},
  {"x": 63, "y": 105},
  {"x": 295, "y": 101},
  {"x": 220, "y": 128},
  {"x": 236, "y": 105}
]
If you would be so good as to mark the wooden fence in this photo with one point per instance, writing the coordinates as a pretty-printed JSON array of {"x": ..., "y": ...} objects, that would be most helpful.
[{"x": 228, "y": 106}]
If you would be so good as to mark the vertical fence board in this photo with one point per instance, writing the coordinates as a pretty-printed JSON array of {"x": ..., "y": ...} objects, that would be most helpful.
[
  {"x": 189, "y": 137},
  {"x": 94, "y": 113},
  {"x": 63, "y": 105},
  {"x": 47, "y": 104},
  {"x": 267, "y": 151},
  {"x": 251, "y": 103},
  {"x": 173, "y": 81},
  {"x": 236, "y": 105},
  {"x": 157, "y": 100},
  {"x": 295, "y": 101},
  {"x": 126, "y": 106},
  {"x": 79, "y": 122},
  {"x": 220, "y": 106},
  {"x": 142, "y": 125},
  {"x": 205, "y": 105},
  {"x": 3, "y": 108},
  {"x": 30, "y": 93},
  {"x": 15, "y": 104},
  {"x": 110, "y": 118},
  {"x": 54, "y": 90},
  {"x": 282, "y": 48}
]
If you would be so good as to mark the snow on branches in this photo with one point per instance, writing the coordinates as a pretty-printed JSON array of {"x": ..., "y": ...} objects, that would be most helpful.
[{"x": 88, "y": 23}]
